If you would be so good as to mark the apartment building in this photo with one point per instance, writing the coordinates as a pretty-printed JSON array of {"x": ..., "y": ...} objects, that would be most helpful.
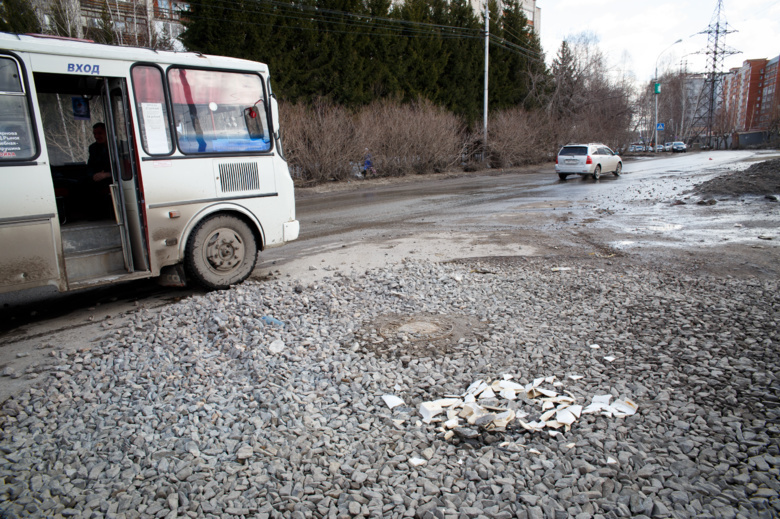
[
  {"x": 531, "y": 11},
  {"x": 770, "y": 94},
  {"x": 750, "y": 94}
]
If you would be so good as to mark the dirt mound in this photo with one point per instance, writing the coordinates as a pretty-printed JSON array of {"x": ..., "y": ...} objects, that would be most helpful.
[{"x": 762, "y": 178}]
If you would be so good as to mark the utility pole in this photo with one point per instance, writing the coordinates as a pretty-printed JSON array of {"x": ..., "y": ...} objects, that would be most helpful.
[
  {"x": 656, "y": 91},
  {"x": 485, "y": 100},
  {"x": 716, "y": 53}
]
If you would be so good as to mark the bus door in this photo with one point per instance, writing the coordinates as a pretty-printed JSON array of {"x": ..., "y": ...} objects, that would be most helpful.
[
  {"x": 100, "y": 228},
  {"x": 126, "y": 189},
  {"x": 29, "y": 230}
]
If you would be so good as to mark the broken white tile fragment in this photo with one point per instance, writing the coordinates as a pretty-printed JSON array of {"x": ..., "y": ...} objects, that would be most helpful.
[
  {"x": 576, "y": 377},
  {"x": 507, "y": 377},
  {"x": 476, "y": 388},
  {"x": 534, "y": 451},
  {"x": 416, "y": 462},
  {"x": 565, "y": 416},
  {"x": 560, "y": 269},
  {"x": 553, "y": 434},
  {"x": 447, "y": 402},
  {"x": 571, "y": 445},
  {"x": 448, "y": 435},
  {"x": 451, "y": 423},
  {"x": 508, "y": 394},
  {"x": 624, "y": 407},
  {"x": 508, "y": 384},
  {"x": 429, "y": 410},
  {"x": 594, "y": 346},
  {"x": 609, "y": 358},
  {"x": 611, "y": 461},
  {"x": 549, "y": 380},
  {"x": 392, "y": 401},
  {"x": 503, "y": 419},
  {"x": 487, "y": 393}
]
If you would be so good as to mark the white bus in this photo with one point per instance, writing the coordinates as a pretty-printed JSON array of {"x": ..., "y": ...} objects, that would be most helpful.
[{"x": 186, "y": 173}]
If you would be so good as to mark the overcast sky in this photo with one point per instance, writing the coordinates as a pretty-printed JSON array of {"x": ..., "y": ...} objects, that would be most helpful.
[{"x": 634, "y": 34}]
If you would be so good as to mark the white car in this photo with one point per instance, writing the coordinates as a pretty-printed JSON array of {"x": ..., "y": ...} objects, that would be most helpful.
[{"x": 587, "y": 159}]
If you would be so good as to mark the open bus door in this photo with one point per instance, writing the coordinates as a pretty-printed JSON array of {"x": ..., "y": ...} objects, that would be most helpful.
[
  {"x": 126, "y": 190},
  {"x": 101, "y": 230}
]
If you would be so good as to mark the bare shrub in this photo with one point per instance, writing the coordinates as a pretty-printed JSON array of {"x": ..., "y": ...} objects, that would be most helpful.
[
  {"x": 410, "y": 138},
  {"x": 319, "y": 141},
  {"x": 517, "y": 137}
]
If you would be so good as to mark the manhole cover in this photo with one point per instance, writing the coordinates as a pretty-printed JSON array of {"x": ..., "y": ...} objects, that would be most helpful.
[
  {"x": 419, "y": 327},
  {"x": 419, "y": 335}
]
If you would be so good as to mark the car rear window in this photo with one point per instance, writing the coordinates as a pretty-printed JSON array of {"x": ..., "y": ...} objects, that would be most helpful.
[{"x": 574, "y": 150}]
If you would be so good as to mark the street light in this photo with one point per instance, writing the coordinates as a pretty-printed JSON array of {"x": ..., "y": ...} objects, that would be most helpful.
[{"x": 656, "y": 91}]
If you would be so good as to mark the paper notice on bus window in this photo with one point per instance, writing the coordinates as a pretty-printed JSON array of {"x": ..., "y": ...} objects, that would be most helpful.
[{"x": 154, "y": 124}]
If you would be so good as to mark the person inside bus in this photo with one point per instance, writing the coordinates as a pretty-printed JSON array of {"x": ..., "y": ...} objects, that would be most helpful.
[{"x": 96, "y": 194}]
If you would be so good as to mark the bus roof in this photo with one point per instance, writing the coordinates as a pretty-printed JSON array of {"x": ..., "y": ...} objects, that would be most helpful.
[{"x": 87, "y": 49}]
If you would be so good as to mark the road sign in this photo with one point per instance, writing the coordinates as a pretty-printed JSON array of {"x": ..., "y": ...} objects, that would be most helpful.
[
  {"x": 657, "y": 89},
  {"x": 659, "y": 127}
]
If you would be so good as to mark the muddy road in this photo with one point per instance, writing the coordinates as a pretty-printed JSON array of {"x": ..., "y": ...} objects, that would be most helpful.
[{"x": 651, "y": 214}]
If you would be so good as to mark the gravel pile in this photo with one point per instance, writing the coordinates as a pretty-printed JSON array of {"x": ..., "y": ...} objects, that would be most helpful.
[
  {"x": 206, "y": 409},
  {"x": 762, "y": 178}
]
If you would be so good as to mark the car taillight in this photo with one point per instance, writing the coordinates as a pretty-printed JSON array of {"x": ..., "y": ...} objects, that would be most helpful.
[
  {"x": 589, "y": 160},
  {"x": 556, "y": 159}
]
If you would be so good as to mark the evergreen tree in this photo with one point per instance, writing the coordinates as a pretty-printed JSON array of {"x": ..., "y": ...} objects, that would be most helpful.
[
  {"x": 564, "y": 72},
  {"x": 18, "y": 16},
  {"x": 461, "y": 81},
  {"x": 104, "y": 32}
]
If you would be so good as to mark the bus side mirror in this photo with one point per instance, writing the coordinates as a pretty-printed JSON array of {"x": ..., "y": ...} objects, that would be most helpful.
[{"x": 275, "y": 115}]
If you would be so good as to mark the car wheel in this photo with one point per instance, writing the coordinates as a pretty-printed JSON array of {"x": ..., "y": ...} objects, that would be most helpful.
[
  {"x": 562, "y": 176},
  {"x": 221, "y": 252},
  {"x": 597, "y": 173},
  {"x": 618, "y": 169}
]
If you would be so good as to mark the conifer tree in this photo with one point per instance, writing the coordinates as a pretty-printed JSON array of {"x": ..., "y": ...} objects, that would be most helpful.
[{"x": 18, "y": 16}]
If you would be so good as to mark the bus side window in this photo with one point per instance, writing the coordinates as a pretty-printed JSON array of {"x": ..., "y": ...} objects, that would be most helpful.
[
  {"x": 152, "y": 110},
  {"x": 16, "y": 136},
  {"x": 218, "y": 111}
]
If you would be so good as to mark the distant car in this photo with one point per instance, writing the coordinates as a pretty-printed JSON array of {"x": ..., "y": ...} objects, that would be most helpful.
[
  {"x": 659, "y": 147},
  {"x": 639, "y": 147},
  {"x": 679, "y": 147},
  {"x": 667, "y": 146},
  {"x": 587, "y": 160}
]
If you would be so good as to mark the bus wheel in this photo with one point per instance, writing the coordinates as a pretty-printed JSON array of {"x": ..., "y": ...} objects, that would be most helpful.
[{"x": 221, "y": 252}]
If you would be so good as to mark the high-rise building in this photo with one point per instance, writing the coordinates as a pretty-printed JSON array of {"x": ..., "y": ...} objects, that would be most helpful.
[
  {"x": 770, "y": 94},
  {"x": 750, "y": 95},
  {"x": 531, "y": 11}
]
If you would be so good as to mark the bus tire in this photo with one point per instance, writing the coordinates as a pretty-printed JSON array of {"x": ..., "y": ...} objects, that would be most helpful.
[{"x": 221, "y": 251}]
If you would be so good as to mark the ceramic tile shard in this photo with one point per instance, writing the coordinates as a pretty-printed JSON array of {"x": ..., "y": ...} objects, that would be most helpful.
[
  {"x": 487, "y": 393},
  {"x": 609, "y": 358},
  {"x": 559, "y": 411},
  {"x": 392, "y": 401}
]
